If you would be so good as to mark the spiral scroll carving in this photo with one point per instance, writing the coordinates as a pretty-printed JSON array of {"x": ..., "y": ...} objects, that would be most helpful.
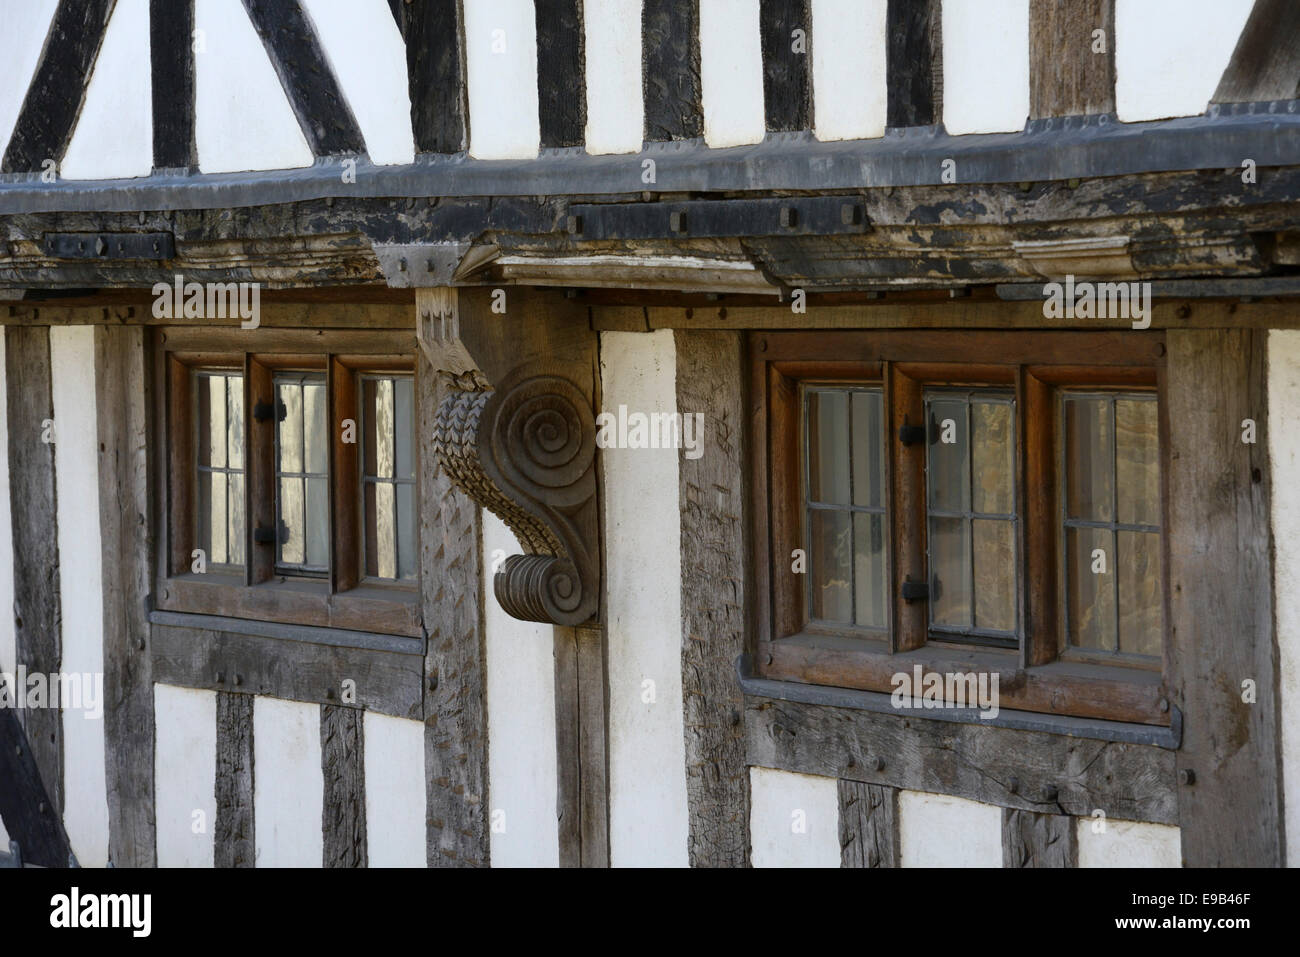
[{"x": 527, "y": 452}]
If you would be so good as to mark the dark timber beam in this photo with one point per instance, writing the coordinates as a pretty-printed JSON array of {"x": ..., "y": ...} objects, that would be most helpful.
[
  {"x": 787, "y": 63},
  {"x": 305, "y": 73},
  {"x": 670, "y": 69},
  {"x": 49, "y": 113},
  {"x": 1030, "y": 839},
  {"x": 1266, "y": 62},
  {"x": 434, "y": 32},
  {"x": 233, "y": 839},
  {"x": 561, "y": 73},
  {"x": 869, "y": 834},
  {"x": 171, "y": 53},
  {"x": 25, "y": 807},
  {"x": 1070, "y": 71},
  {"x": 914, "y": 62},
  {"x": 342, "y": 748}
]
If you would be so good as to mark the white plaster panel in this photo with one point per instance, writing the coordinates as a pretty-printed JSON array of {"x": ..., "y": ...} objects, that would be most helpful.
[
  {"x": 26, "y": 23},
  {"x": 114, "y": 134},
  {"x": 242, "y": 120},
  {"x": 731, "y": 73},
  {"x": 288, "y": 785},
  {"x": 985, "y": 65},
  {"x": 521, "y": 723},
  {"x": 850, "y": 91},
  {"x": 76, "y": 469},
  {"x": 648, "y": 818},
  {"x": 938, "y": 830},
  {"x": 615, "y": 108},
  {"x": 1283, "y": 437},
  {"x": 501, "y": 69},
  {"x": 1171, "y": 54},
  {"x": 794, "y": 819},
  {"x": 185, "y": 771},
  {"x": 1128, "y": 844},
  {"x": 395, "y": 798},
  {"x": 366, "y": 50}
]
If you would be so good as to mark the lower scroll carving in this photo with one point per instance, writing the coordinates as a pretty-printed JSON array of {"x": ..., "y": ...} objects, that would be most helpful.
[{"x": 527, "y": 452}]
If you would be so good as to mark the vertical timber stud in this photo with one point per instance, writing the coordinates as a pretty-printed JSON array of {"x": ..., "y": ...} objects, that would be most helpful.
[
  {"x": 434, "y": 31},
  {"x": 233, "y": 842},
  {"x": 785, "y": 30},
  {"x": 1266, "y": 62},
  {"x": 451, "y": 589},
  {"x": 712, "y": 498},
  {"x": 1030, "y": 839},
  {"x": 1071, "y": 68},
  {"x": 561, "y": 77},
  {"x": 914, "y": 62},
  {"x": 127, "y": 547},
  {"x": 1221, "y": 599},
  {"x": 171, "y": 52},
  {"x": 37, "y": 610},
  {"x": 869, "y": 835},
  {"x": 342, "y": 749},
  {"x": 670, "y": 69}
]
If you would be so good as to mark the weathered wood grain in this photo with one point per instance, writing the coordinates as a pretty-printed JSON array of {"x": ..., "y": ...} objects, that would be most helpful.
[
  {"x": 568, "y": 757},
  {"x": 1030, "y": 839},
  {"x": 455, "y": 707},
  {"x": 53, "y": 102},
  {"x": 384, "y": 681},
  {"x": 122, "y": 403},
  {"x": 342, "y": 748},
  {"x": 233, "y": 836},
  {"x": 561, "y": 73},
  {"x": 593, "y": 746},
  {"x": 1003, "y": 766},
  {"x": 670, "y": 69},
  {"x": 171, "y": 55},
  {"x": 435, "y": 69},
  {"x": 914, "y": 62},
  {"x": 1265, "y": 64},
  {"x": 1067, "y": 77},
  {"x": 25, "y": 805},
  {"x": 1220, "y": 602},
  {"x": 712, "y": 495},
  {"x": 308, "y": 79},
  {"x": 787, "y": 72},
  {"x": 37, "y": 611},
  {"x": 869, "y": 835}
]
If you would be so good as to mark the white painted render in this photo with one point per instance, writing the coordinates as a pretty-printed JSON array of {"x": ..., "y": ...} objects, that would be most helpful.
[
  {"x": 985, "y": 66},
  {"x": 242, "y": 118},
  {"x": 288, "y": 785},
  {"x": 501, "y": 72},
  {"x": 8, "y": 637},
  {"x": 731, "y": 73},
  {"x": 939, "y": 830},
  {"x": 1128, "y": 844},
  {"x": 647, "y": 761},
  {"x": 1283, "y": 437},
  {"x": 850, "y": 91},
  {"x": 114, "y": 134},
  {"x": 76, "y": 471},
  {"x": 395, "y": 798},
  {"x": 185, "y": 770},
  {"x": 615, "y": 107},
  {"x": 794, "y": 819},
  {"x": 26, "y": 22},
  {"x": 1170, "y": 54},
  {"x": 521, "y": 723},
  {"x": 363, "y": 44}
]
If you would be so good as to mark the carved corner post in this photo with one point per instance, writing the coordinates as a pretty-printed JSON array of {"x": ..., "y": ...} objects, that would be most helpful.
[{"x": 515, "y": 431}]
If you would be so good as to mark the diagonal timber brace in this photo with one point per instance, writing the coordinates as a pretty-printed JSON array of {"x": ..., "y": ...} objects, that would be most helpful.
[{"x": 525, "y": 449}]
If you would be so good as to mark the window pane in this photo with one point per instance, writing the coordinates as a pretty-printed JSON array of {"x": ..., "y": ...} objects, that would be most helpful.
[
  {"x": 868, "y": 449},
  {"x": 869, "y": 570},
  {"x": 385, "y": 530},
  {"x": 406, "y": 556},
  {"x": 1137, "y": 463},
  {"x": 235, "y": 421},
  {"x": 949, "y": 456},
  {"x": 292, "y": 551},
  {"x": 219, "y": 436},
  {"x": 235, "y": 525},
  {"x": 828, "y": 447},
  {"x": 213, "y": 403},
  {"x": 315, "y": 430},
  {"x": 831, "y": 572},
  {"x": 212, "y": 516},
  {"x": 317, "y": 523},
  {"x": 1090, "y": 565},
  {"x": 290, "y": 431},
  {"x": 1089, "y": 469},
  {"x": 383, "y": 430},
  {"x": 1141, "y": 617},
  {"x": 995, "y": 574},
  {"x": 993, "y": 453},
  {"x": 404, "y": 426},
  {"x": 950, "y": 604}
]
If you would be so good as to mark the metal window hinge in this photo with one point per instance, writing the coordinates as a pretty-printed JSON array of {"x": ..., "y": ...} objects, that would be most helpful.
[
  {"x": 264, "y": 410},
  {"x": 915, "y": 591},
  {"x": 910, "y": 434},
  {"x": 268, "y": 536}
]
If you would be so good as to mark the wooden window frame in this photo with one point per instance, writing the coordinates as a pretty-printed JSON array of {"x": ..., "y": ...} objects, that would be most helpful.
[
  {"x": 1039, "y": 675},
  {"x": 344, "y": 598}
]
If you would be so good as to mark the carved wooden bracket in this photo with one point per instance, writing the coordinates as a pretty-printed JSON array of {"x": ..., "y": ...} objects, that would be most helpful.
[{"x": 526, "y": 451}]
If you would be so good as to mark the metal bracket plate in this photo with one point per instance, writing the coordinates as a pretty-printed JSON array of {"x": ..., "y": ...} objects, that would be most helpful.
[{"x": 155, "y": 246}]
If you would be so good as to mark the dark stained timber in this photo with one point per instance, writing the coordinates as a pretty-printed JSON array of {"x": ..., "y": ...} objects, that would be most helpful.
[
  {"x": 1030, "y": 839},
  {"x": 1071, "y": 71},
  {"x": 670, "y": 69},
  {"x": 58, "y": 88},
  {"x": 561, "y": 77},
  {"x": 25, "y": 806},
  {"x": 914, "y": 62},
  {"x": 305, "y": 73},
  {"x": 435, "y": 68},
  {"x": 785, "y": 31},
  {"x": 342, "y": 747},
  {"x": 233, "y": 833},
  {"x": 1266, "y": 62},
  {"x": 869, "y": 835},
  {"x": 171, "y": 52}
]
